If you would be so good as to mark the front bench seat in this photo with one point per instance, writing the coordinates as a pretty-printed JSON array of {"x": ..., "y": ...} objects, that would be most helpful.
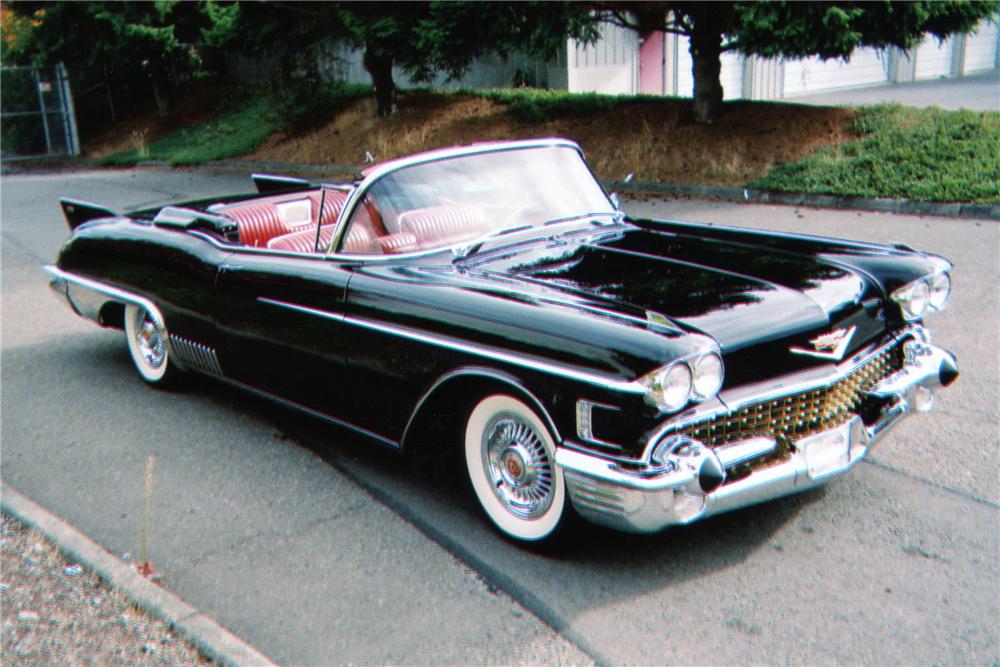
[{"x": 440, "y": 226}]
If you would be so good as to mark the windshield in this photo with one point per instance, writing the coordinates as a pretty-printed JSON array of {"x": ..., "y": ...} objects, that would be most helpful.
[{"x": 458, "y": 200}]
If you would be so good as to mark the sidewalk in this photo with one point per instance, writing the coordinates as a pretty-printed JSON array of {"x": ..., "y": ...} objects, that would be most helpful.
[{"x": 980, "y": 92}]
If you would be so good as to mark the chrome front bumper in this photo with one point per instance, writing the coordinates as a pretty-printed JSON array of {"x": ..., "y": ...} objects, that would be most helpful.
[{"x": 685, "y": 481}]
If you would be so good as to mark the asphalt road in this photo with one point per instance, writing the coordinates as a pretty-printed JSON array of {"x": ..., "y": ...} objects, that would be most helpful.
[{"x": 319, "y": 548}]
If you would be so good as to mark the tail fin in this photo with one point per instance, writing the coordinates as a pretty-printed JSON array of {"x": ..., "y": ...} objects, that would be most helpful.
[{"x": 78, "y": 212}]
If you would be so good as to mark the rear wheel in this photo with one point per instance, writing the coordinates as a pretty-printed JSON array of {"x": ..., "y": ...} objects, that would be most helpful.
[
  {"x": 510, "y": 457},
  {"x": 147, "y": 342}
]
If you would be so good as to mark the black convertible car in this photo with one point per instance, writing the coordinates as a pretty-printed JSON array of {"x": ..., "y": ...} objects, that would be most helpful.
[{"x": 492, "y": 300}]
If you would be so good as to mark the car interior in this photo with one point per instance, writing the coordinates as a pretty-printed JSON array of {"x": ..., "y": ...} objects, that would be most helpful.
[{"x": 287, "y": 222}]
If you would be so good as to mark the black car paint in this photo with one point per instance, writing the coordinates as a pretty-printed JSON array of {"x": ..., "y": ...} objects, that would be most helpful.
[{"x": 572, "y": 300}]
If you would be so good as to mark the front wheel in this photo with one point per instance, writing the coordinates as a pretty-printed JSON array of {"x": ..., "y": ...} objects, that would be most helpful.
[
  {"x": 510, "y": 458},
  {"x": 147, "y": 343}
]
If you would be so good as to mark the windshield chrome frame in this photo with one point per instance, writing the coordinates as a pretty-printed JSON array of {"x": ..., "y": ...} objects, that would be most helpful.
[{"x": 392, "y": 166}]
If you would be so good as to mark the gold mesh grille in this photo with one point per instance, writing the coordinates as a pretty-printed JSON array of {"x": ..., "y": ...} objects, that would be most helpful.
[{"x": 791, "y": 417}]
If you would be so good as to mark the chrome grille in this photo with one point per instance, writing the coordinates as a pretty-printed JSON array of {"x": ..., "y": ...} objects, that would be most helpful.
[{"x": 791, "y": 417}]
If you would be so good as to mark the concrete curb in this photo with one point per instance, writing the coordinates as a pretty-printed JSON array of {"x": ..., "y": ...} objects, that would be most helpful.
[
  {"x": 213, "y": 640},
  {"x": 735, "y": 194},
  {"x": 880, "y": 205}
]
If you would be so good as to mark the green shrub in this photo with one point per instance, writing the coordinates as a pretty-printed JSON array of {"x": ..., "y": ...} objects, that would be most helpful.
[
  {"x": 308, "y": 104},
  {"x": 920, "y": 154},
  {"x": 534, "y": 105},
  {"x": 234, "y": 132}
]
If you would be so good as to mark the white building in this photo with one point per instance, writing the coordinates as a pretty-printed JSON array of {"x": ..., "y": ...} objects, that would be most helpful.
[{"x": 621, "y": 62}]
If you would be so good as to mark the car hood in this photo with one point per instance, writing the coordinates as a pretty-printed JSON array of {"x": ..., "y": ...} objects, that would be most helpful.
[{"x": 740, "y": 294}]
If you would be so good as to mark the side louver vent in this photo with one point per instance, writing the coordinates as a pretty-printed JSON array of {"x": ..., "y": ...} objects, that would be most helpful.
[{"x": 195, "y": 355}]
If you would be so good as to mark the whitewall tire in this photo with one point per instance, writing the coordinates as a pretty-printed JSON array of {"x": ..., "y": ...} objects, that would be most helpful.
[
  {"x": 147, "y": 343},
  {"x": 511, "y": 461}
]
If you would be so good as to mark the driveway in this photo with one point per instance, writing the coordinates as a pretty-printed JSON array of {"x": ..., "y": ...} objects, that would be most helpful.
[
  {"x": 318, "y": 548},
  {"x": 980, "y": 92}
]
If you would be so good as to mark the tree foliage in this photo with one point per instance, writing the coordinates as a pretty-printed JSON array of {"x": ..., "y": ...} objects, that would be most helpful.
[
  {"x": 422, "y": 38},
  {"x": 155, "y": 41},
  {"x": 790, "y": 29}
]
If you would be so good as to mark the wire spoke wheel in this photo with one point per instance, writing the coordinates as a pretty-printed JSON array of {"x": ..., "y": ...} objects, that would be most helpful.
[
  {"x": 510, "y": 457},
  {"x": 147, "y": 342},
  {"x": 516, "y": 462}
]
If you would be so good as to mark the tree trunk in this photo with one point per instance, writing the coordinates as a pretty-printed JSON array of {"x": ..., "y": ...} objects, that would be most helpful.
[
  {"x": 706, "y": 59},
  {"x": 380, "y": 69},
  {"x": 163, "y": 91}
]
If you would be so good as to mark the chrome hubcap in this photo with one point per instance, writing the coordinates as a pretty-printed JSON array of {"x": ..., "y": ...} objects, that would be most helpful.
[
  {"x": 149, "y": 337},
  {"x": 517, "y": 464}
]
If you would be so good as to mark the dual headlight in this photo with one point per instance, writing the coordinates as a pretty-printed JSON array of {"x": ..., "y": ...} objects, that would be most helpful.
[
  {"x": 671, "y": 387},
  {"x": 923, "y": 297}
]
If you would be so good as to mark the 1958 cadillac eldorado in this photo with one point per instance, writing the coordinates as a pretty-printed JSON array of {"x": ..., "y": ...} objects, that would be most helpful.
[{"x": 492, "y": 300}]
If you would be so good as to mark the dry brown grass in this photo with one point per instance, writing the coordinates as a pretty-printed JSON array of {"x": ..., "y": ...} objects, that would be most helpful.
[{"x": 658, "y": 141}]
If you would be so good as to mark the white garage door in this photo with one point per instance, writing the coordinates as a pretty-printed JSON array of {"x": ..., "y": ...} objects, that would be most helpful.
[
  {"x": 810, "y": 75},
  {"x": 981, "y": 48},
  {"x": 933, "y": 58}
]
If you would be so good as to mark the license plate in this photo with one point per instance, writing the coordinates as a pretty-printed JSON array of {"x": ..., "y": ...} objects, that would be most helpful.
[{"x": 829, "y": 451}]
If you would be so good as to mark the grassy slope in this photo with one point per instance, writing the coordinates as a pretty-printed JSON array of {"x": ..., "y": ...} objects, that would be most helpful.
[
  {"x": 884, "y": 151},
  {"x": 920, "y": 154},
  {"x": 230, "y": 134}
]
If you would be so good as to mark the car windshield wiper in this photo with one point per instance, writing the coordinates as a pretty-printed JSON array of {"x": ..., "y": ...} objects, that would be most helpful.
[
  {"x": 616, "y": 215},
  {"x": 462, "y": 252}
]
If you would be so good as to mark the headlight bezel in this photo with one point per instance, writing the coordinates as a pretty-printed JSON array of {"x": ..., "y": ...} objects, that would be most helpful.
[
  {"x": 703, "y": 363},
  {"x": 940, "y": 283},
  {"x": 924, "y": 296}
]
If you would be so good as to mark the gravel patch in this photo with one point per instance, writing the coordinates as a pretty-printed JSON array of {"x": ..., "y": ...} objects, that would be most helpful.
[{"x": 54, "y": 612}]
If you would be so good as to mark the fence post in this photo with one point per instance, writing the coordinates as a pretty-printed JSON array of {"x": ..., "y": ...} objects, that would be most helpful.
[
  {"x": 69, "y": 111},
  {"x": 41, "y": 109}
]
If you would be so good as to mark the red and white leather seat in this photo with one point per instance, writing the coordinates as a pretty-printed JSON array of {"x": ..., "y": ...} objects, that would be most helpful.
[
  {"x": 437, "y": 226},
  {"x": 261, "y": 220}
]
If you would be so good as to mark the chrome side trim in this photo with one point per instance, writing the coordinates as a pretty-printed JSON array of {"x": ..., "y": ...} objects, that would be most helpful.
[
  {"x": 338, "y": 317},
  {"x": 475, "y": 371},
  {"x": 461, "y": 346},
  {"x": 471, "y": 348},
  {"x": 112, "y": 293},
  {"x": 99, "y": 287},
  {"x": 498, "y": 355}
]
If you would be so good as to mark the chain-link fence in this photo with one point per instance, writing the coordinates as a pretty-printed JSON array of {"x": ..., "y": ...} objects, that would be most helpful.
[{"x": 36, "y": 113}]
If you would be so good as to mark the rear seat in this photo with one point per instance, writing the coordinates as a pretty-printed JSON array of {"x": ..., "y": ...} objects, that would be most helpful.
[
  {"x": 303, "y": 241},
  {"x": 260, "y": 221}
]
